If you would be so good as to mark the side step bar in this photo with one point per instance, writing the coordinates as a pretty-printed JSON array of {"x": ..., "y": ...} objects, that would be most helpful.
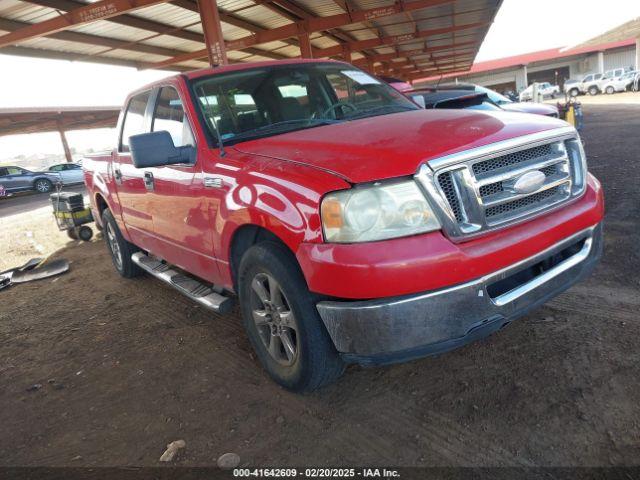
[{"x": 193, "y": 289}]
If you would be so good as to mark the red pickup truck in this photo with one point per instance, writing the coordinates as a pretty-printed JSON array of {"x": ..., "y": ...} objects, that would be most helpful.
[{"x": 350, "y": 224}]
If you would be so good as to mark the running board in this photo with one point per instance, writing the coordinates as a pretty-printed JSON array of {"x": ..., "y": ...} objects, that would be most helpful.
[{"x": 193, "y": 289}]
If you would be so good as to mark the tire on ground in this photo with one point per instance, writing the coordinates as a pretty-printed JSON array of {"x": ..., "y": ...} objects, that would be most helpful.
[
  {"x": 125, "y": 267},
  {"x": 43, "y": 185},
  {"x": 317, "y": 362}
]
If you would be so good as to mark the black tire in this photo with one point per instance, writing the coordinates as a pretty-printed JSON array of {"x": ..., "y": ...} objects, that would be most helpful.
[
  {"x": 125, "y": 265},
  {"x": 316, "y": 362},
  {"x": 42, "y": 185},
  {"x": 72, "y": 234},
  {"x": 593, "y": 91},
  {"x": 574, "y": 92},
  {"x": 85, "y": 233},
  {"x": 610, "y": 91}
]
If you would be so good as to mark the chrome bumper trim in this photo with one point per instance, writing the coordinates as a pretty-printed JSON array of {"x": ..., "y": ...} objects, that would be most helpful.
[{"x": 448, "y": 316}]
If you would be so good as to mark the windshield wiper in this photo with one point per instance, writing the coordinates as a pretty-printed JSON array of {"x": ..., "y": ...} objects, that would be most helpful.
[
  {"x": 370, "y": 112},
  {"x": 303, "y": 122}
]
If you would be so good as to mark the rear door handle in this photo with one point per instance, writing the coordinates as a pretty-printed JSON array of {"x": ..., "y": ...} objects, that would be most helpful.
[{"x": 148, "y": 180}]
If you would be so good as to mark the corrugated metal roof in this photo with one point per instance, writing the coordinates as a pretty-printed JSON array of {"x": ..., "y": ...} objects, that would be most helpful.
[{"x": 165, "y": 30}]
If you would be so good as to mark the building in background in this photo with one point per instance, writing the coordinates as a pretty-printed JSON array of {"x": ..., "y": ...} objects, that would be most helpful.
[{"x": 613, "y": 49}]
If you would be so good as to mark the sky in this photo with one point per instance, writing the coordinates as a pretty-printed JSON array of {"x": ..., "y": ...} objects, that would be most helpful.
[{"x": 519, "y": 27}]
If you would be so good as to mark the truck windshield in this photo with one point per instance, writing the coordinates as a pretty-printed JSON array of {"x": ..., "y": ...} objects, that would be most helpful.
[{"x": 267, "y": 101}]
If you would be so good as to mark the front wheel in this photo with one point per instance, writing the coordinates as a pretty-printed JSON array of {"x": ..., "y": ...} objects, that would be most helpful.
[
  {"x": 574, "y": 92},
  {"x": 43, "y": 185},
  {"x": 282, "y": 322}
]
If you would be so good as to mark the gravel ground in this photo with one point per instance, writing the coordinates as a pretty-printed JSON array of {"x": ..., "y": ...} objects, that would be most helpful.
[{"x": 127, "y": 366}]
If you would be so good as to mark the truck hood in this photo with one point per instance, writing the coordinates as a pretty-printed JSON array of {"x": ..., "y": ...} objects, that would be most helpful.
[
  {"x": 395, "y": 145},
  {"x": 531, "y": 107}
]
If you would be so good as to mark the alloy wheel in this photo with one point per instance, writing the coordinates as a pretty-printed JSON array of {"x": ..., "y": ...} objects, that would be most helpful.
[
  {"x": 114, "y": 246},
  {"x": 42, "y": 186},
  {"x": 274, "y": 319}
]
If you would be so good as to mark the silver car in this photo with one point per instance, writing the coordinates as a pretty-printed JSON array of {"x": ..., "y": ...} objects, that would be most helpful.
[
  {"x": 18, "y": 179},
  {"x": 70, "y": 173}
]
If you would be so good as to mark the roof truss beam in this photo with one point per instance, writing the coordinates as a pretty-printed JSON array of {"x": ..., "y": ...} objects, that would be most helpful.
[
  {"x": 100, "y": 10},
  {"x": 315, "y": 24},
  {"x": 96, "y": 40}
]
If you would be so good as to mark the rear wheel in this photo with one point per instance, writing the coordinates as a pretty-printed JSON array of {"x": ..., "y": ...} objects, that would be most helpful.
[
  {"x": 43, "y": 185},
  {"x": 282, "y": 322},
  {"x": 119, "y": 248},
  {"x": 593, "y": 90},
  {"x": 610, "y": 90}
]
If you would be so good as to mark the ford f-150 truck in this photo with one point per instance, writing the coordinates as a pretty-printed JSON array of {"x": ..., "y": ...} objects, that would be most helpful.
[{"x": 349, "y": 224}]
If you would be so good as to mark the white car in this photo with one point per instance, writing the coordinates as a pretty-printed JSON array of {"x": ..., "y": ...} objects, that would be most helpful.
[
  {"x": 69, "y": 172},
  {"x": 544, "y": 88},
  {"x": 618, "y": 84}
]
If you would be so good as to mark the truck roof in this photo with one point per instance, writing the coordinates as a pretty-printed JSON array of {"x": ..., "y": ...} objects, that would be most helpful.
[
  {"x": 194, "y": 74},
  {"x": 248, "y": 65}
]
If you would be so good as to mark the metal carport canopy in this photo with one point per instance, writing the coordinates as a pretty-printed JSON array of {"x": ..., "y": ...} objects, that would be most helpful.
[
  {"x": 17, "y": 121},
  {"x": 407, "y": 39}
]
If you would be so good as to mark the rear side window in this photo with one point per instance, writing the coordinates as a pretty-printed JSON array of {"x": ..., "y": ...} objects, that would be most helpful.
[
  {"x": 133, "y": 119},
  {"x": 3, "y": 172},
  {"x": 169, "y": 116}
]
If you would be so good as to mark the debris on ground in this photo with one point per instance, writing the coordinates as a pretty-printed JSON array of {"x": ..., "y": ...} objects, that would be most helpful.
[
  {"x": 228, "y": 461},
  {"x": 172, "y": 450},
  {"x": 34, "y": 387}
]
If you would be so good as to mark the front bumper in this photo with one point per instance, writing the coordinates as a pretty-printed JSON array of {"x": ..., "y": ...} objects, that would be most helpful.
[{"x": 395, "y": 329}]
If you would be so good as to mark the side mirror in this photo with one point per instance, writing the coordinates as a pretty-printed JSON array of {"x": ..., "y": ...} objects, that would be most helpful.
[{"x": 156, "y": 149}]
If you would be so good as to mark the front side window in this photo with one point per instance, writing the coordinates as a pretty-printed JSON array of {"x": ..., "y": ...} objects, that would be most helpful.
[
  {"x": 269, "y": 101},
  {"x": 3, "y": 172},
  {"x": 56, "y": 168},
  {"x": 169, "y": 116},
  {"x": 133, "y": 119}
]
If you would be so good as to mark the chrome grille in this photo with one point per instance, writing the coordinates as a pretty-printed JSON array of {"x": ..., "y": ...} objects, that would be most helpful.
[
  {"x": 446, "y": 184},
  {"x": 511, "y": 159},
  {"x": 522, "y": 203},
  {"x": 479, "y": 190}
]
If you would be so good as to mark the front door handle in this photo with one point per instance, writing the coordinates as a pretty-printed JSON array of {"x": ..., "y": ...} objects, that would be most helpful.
[
  {"x": 148, "y": 180},
  {"x": 117, "y": 174}
]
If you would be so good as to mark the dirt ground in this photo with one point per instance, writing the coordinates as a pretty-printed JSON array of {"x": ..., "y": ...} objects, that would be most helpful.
[
  {"x": 127, "y": 366},
  {"x": 28, "y": 228}
]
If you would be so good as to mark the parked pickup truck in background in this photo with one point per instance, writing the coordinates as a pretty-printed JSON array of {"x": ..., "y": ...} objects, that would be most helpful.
[
  {"x": 545, "y": 89},
  {"x": 589, "y": 84},
  {"x": 350, "y": 224}
]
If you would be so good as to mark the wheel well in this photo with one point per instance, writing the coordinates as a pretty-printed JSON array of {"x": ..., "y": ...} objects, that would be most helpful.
[
  {"x": 243, "y": 239},
  {"x": 101, "y": 205}
]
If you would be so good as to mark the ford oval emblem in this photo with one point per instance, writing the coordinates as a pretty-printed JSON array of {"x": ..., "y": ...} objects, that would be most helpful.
[{"x": 529, "y": 182}]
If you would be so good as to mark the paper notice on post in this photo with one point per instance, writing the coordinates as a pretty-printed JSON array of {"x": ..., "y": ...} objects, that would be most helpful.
[{"x": 360, "y": 77}]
